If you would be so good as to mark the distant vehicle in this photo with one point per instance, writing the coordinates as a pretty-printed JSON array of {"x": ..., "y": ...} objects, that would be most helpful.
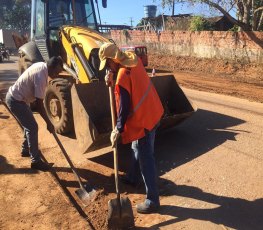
[
  {"x": 140, "y": 51},
  {"x": 4, "y": 53}
]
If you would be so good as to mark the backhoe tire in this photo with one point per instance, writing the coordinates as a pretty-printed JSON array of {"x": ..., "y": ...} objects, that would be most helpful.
[{"x": 58, "y": 105}]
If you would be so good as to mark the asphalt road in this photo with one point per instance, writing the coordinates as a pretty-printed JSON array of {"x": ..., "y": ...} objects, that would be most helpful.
[
  {"x": 210, "y": 166},
  {"x": 214, "y": 167},
  {"x": 8, "y": 74}
]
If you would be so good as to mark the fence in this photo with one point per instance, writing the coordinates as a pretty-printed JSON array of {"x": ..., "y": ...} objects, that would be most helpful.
[{"x": 245, "y": 47}]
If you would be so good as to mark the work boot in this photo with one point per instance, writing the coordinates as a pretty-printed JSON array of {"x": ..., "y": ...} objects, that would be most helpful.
[
  {"x": 40, "y": 165},
  {"x": 25, "y": 153},
  {"x": 147, "y": 207}
]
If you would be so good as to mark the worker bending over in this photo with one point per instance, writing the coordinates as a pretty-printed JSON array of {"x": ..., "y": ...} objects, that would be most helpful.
[{"x": 30, "y": 87}]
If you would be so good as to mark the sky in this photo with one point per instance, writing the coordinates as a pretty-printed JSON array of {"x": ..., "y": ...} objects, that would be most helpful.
[{"x": 127, "y": 12}]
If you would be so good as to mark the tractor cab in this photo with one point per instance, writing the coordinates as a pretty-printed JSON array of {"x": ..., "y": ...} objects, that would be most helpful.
[{"x": 48, "y": 16}]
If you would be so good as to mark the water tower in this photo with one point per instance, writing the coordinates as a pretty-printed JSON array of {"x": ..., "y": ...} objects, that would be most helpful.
[{"x": 150, "y": 11}]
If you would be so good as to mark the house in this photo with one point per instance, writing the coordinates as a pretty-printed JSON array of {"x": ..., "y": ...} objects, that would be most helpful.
[
  {"x": 220, "y": 23},
  {"x": 181, "y": 22},
  {"x": 7, "y": 39}
]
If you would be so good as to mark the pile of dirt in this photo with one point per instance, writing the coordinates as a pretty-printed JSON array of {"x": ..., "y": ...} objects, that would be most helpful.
[
  {"x": 211, "y": 75},
  {"x": 236, "y": 70}
]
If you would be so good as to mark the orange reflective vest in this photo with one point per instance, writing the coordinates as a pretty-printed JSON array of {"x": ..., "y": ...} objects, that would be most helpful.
[{"x": 146, "y": 108}]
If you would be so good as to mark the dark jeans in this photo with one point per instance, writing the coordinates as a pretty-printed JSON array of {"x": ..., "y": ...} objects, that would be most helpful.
[
  {"x": 25, "y": 116},
  {"x": 143, "y": 162}
]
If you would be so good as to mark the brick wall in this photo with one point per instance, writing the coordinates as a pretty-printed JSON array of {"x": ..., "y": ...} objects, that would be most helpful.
[{"x": 246, "y": 47}]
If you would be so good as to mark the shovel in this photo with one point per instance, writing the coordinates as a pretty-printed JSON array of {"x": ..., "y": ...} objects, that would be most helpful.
[
  {"x": 120, "y": 213},
  {"x": 85, "y": 193}
]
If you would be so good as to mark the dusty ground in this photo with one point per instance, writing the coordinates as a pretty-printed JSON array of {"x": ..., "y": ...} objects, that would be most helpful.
[
  {"x": 31, "y": 200},
  {"x": 234, "y": 79}
]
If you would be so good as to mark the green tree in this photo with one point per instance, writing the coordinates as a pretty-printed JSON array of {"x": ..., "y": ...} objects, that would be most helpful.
[
  {"x": 198, "y": 23},
  {"x": 15, "y": 14},
  {"x": 249, "y": 12},
  {"x": 4, "y": 6},
  {"x": 140, "y": 23}
]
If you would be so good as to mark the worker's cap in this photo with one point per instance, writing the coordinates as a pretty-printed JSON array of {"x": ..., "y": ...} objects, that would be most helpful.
[{"x": 110, "y": 50}]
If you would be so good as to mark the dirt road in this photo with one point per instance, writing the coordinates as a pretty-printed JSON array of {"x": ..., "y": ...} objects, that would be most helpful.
[{"x": 210, "y": 170}]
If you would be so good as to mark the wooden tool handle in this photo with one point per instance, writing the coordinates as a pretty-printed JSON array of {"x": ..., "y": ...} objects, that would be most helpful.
[
  {"x": 115, "y": 153},
  {"x": 112, "y": 107}
]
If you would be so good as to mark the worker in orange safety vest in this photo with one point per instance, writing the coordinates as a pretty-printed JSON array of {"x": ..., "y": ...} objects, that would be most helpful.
[{"x": 139, "y": 111}]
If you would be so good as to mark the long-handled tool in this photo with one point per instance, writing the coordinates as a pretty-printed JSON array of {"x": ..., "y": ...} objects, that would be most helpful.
[
  {"x": 120, "y": 213},
  {"x": 86, "y": 193}
]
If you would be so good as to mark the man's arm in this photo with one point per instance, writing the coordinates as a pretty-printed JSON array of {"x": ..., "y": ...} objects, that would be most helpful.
[
  {"x": 42, "y": 112},
  {"x": 124, "y": 108},
  {"x": 123, "y": 113}
]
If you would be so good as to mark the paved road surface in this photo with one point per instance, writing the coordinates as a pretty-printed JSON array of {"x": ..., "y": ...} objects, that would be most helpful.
[
  {"x": 8, "y": 74},
  {"x": 215, "y": 165}
]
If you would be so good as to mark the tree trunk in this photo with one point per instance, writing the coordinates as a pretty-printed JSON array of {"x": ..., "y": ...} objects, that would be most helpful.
[
  {"x": 260, "y": 23},
  {"x": 259, "y": 17},
  {"x": 243, "y": 24},
  {"x": 246, "y": 14}
]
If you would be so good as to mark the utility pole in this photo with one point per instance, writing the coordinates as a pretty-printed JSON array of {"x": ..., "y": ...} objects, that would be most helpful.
[
  {"x": 131, "y": 21},
  {"x": 173, "y": 9},
  {"x": 163, "y": 23}
]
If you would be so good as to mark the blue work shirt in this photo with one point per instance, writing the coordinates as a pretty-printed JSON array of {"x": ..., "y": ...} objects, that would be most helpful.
[{"x": 124, "y": 109}]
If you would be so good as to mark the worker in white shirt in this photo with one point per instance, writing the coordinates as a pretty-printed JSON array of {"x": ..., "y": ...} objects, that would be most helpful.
[{"x": 30, "y": 87}]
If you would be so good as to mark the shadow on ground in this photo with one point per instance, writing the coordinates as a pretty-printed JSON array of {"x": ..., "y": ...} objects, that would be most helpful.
[
  {"x": 231, "y": 212},
  {"x": 199, "y": 134},
  {"x": 3, "y": 116},
  {"x": 6, "y": 168},
  {"x": 7, "y": 61},
  {"x": 149, "y": 70},
  {"x": 8, "y": 75}
]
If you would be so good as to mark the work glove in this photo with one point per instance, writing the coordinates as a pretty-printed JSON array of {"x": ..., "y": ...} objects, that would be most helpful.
[
  {"x": 109, "y": 78},
  {"x": 114, "y": 137}
]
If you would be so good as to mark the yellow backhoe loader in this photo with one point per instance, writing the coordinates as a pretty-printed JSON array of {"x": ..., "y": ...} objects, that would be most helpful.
[{"x": 78, "y": 101}]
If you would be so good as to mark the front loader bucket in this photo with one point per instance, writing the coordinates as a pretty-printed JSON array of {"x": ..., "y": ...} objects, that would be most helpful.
[
  {"x": 92, "y": 116},
  {"x": 177, "y": 106}
]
